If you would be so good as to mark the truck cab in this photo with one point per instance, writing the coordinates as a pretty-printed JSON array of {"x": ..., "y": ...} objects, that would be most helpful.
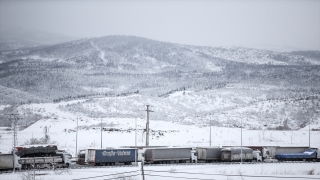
[
  {"x": 256, "y": 154},
  {"x": 66, "y": 157},
  {"x": 194, "y": 155},
  {"x": 17, "y": 162},
  {"x": 265, "y": 153}
]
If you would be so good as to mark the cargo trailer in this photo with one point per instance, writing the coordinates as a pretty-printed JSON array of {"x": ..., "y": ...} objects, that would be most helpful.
[
  {"x": 170, "y": 155},
  {"x": 234, "y": 154},
  {"x": 7, "y": 162},
  {"x": 208, "y": 154},
  {"x": 98, "y": 157},
  {"x": 308, "y": 155},
  {"x": 281, "y": 150}
]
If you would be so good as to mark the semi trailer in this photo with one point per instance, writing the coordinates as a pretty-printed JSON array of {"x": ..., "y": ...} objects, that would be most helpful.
[
  {"x": 231, "y": 154},
  {"x": 208, "y": 154},
  {"x": 170, "y": 155},
  {"x": 308, "y": 155},
  {"x": 8, "y": 161},
  {"x": 43, "y": 156},
  {"x": 99, "y": 157}
]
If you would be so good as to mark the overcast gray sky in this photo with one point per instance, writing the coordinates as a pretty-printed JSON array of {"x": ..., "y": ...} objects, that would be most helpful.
[{"x": 252, "y": 23}]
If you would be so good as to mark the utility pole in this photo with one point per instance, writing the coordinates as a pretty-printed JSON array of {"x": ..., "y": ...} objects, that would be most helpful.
[
  {"x": 77, "y": 138},
  {"x": 46, "y": 136},
  {"x": 135, "y": 141},
  {"x": 241, "y": 140},
  {"x": 315, "y": 107},
  {"x": 13, "y": 118},
  {"x": 309, "y": 131},
  {"x": 101, "y": 132},
  {"x": 147, "y": 125},
  {"x": 210, "y": 131}
]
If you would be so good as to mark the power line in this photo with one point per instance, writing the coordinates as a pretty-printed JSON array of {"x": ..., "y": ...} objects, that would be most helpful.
[
  {"x": 176, "y": 177},
  {"x": 189, "y": 173},
  {"x": 122, "y": 177},
  {"x": 108, "y": 175}
]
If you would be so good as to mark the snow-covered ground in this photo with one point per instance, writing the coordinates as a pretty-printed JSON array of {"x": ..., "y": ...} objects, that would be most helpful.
[
  {"x": 121, "y": 132},
  {"x": 62, "y": 128},
  {"x": 198, "y": 172}
]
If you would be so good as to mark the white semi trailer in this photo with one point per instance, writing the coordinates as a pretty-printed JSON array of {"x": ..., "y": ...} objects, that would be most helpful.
[
  {"x": 7, "y": 161},
  {"x": 240, "y": 153},
  {"x": 170, "y": 155}
]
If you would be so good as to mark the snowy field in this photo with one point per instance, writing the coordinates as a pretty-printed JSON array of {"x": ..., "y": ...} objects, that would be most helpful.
[
  {"x": 299, "y": 171},
  {"x": 121, "y": 132}
]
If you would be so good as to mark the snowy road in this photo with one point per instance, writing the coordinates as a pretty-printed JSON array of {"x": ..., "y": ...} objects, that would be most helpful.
[{"x": 197, "y": 172}]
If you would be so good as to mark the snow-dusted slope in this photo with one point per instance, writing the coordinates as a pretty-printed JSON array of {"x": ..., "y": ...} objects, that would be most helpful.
[
  {"x": 116, "y": 76},
  {"x": 117, "y": 132}
]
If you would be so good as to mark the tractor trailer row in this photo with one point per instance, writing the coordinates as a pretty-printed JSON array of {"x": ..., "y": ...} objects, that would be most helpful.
[
  {"x": 49, "y": 156},
  {"x": 165, "y": 155},
  {"x": 169, "y": 155}
]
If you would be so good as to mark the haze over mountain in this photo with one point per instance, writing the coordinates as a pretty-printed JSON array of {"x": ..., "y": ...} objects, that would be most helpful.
[
  {"x": 116, "y": 75},
  {"x": 19, "y": 38}
]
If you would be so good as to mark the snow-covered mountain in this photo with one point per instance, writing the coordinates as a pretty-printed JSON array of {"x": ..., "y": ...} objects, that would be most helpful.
[{"x": 114, "y": 76}]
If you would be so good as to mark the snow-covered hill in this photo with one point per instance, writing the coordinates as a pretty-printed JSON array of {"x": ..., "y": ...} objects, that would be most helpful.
[
  {"x": 115, "y": 76},
  {"x": 62, "y": 125}
]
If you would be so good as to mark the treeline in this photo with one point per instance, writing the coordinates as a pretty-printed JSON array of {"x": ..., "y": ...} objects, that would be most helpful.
[
  {"x": 172, "y": 91},
  {"x": 84, "y": 96}
]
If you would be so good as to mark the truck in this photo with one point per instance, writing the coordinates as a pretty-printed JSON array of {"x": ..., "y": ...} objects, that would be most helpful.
[
  {"x": 257, "y": 156},
  {"x": 81, "y": 157},
  {"x": 208, "y": 154},
  {"x": 264, "y": 152},
  {"x": 102, "y": 157},
  {"x": 271, "y": 151},
  {"x": 281, "y": 149},
  {"x": 308, "y": 155},
  {"x": 8, "y": 161},
  {"x": 169, "y": 155},
  {"x": 43, "y": 156},
  {"x": 141, "y": 150},
  {"x": 231, "y": 154},
  {"x": 59, "y": 160}
]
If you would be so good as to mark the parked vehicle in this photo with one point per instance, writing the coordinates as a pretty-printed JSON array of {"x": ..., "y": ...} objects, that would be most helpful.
[
  {"x": 170, "y": 155},
  {"x": 81, "y": 157},
  {"x": 308, "y": 155},
  {"x": 98, "y": 157},
  {"x": 59, "y": 159},
  {"x": 264, "y": 152},
  {"x": 43, "y": 156},
  {"x": 7, "y": 162},
  {"x": 256, "y": 156},
  {"x": 141, "y": 150},
  {"x": 208, "y": 154},
  {"x": 282, "y": 150},
  {"x": 235, "y": 153},
  {"x": 271, "y": 151}
]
